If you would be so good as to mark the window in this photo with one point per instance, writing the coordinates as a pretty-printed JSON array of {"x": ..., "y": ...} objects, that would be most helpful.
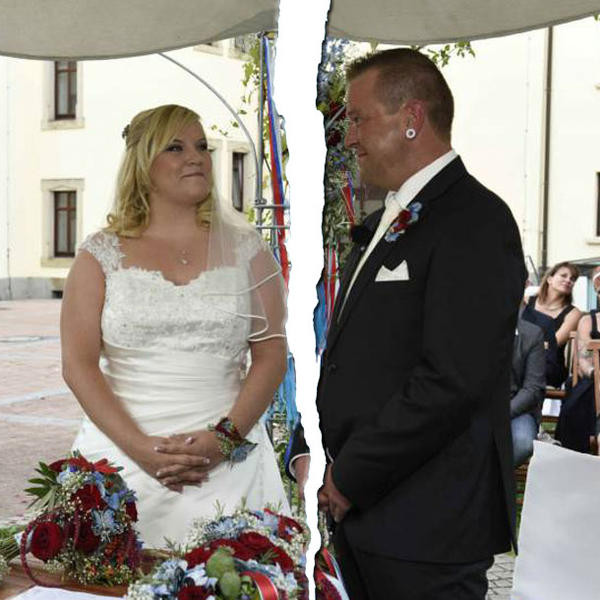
[
  {"x": 65, "y": 89},
  {"x": 65, "y": 223},
  {"x": 237, "y": 181}
]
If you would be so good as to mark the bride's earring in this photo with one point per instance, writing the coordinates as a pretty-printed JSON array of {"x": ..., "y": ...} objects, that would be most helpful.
[{"x": 410, "y": 133}]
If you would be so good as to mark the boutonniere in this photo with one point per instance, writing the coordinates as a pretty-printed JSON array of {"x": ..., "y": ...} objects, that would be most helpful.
[{"x": 407, "y": 217}]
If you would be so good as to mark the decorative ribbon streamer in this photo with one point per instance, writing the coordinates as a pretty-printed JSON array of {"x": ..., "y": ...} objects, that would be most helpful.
[
  {"x": 266, "y": 588},
  {"x": 349, "y": 198},
  {"x": 276, "y": 162},
  {"x": 334, "y": 577},
  {"x": 320, "y": 318}
]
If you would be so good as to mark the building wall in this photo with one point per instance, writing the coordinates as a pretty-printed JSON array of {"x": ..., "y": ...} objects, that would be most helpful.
[
  {"x": 37, "y": 154},
  {"x": 499, "y": 131}
]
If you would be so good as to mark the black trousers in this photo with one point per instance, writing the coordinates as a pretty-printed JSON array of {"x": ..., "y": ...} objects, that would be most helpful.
[{"x": 371, "y": 577}]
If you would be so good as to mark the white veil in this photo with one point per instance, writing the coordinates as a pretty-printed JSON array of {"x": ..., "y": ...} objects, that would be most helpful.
[{"x": 251, "y": 286}]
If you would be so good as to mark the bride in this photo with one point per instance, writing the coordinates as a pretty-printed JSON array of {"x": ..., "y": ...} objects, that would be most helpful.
[{"x": 159, "y": 311}]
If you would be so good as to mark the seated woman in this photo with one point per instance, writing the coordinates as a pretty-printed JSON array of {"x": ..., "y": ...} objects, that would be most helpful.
[
  {"x": 578, "y": 412},
  {"x": 555, "y": 301}
]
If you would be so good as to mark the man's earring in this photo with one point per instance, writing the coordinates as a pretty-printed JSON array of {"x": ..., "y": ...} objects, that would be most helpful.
[{"x": 410, "y": 133}]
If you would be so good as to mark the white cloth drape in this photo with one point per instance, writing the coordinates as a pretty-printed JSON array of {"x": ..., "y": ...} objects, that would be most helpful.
[
  {"x": 560, "y": 527},
  {"x": 113, "y": 28}
]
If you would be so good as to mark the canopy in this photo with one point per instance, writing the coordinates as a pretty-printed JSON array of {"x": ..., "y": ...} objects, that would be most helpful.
[{"x": 113, "y": 28}]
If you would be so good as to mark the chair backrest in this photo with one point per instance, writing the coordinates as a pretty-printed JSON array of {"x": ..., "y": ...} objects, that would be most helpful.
[{"x": 594, "y": 348}]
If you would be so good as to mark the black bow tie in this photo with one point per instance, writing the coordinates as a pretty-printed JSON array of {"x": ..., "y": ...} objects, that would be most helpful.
[{"x": 361, "y": 235}]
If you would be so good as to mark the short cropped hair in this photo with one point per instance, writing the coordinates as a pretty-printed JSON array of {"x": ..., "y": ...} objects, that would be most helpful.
[{"x": 405, "y": 74}]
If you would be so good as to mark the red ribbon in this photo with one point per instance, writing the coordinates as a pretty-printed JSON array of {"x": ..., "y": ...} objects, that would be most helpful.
[{"x": 266, "y": 588}]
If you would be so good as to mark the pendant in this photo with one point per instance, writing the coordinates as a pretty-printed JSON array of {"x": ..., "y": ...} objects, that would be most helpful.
[{"x": 183, "y": 259}]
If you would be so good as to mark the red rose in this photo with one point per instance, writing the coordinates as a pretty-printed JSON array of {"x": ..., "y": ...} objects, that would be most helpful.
[
  {"x": 239, "y": 550},
  {"x": 255, "y": 541},
  {"x": 324, "y": 588},
  {"x": 193, "y": 592},
  {"x": 87, "y": 541},
  {"x": 57, "y": 465},
  {"x": 198, "y": 556},
  {"x": 280, "y": 557},
  {"x": 47, "y": 540},
  {"x": 404, "y": 216},
  {"x": 131, "y": 510},
  {"x": 81, "y": 462},
  {"x": 89, "y": 497}
]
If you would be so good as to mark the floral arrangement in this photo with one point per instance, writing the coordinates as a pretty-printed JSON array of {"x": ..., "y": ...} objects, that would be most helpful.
[
  {"x": 83, "y": 525},
  {"x": 246, "y": 556},
  {"x": 328, "y": 578}
]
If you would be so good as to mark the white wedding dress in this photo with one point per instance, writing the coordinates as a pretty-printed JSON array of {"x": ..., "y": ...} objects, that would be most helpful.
[{"x": 177, "y": 363}]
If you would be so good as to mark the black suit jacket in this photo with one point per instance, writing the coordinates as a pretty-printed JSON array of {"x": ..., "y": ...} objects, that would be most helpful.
[
  {"x": 528, "y": 379},
  {"x": 414, "y": 383}
]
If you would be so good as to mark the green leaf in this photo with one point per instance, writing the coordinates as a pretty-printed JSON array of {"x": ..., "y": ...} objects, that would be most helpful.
[
  {"x": 44, "y": 482},
  {"x": 36, "y": 491}
]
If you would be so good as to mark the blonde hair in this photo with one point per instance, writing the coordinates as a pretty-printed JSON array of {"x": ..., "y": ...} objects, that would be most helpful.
[
  {"x": 543, "y": 293},
  {"x": 146, "y": 136}
]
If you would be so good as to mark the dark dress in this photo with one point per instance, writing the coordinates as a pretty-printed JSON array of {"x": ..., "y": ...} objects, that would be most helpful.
[
  {"x": 556, "y": 370},
  {"x": 577, "y": 419}
]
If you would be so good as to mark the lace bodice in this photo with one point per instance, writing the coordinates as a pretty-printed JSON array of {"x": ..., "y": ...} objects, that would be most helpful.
[{"x": 142, "y": 309}]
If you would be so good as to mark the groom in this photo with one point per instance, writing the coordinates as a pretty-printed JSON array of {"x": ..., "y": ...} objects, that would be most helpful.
[{"x": 413, "y": 387}]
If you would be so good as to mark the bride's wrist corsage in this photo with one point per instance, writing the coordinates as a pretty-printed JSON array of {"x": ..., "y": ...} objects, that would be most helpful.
[{"x": 232, "y": 445}]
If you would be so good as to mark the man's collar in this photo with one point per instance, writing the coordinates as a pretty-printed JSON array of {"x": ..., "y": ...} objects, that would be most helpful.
[{"x": 416, "y": 182}]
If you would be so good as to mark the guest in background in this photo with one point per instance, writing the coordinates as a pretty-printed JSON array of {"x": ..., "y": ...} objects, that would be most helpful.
[
  {"x": 527, "y": 386},
  {"x": 577, "y": 420},
  {"x": 555, "y": 301}
]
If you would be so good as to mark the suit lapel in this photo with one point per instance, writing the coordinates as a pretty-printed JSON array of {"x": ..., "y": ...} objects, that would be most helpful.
[
  {"x": 351, "y": 263},
  {"x": 432, "y": 190}
]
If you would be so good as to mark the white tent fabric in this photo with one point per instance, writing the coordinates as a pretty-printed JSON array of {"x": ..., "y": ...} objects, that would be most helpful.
[
  {"x": 114, "y": 28},
  {"x": 429, "y": 21},
  {"x": 118, "y": 28}
]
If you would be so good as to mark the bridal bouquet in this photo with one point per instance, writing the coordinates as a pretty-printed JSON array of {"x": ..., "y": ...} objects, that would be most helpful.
[
  {"x": 83, "y": 524},
  {"x": 246, "y": 556}
]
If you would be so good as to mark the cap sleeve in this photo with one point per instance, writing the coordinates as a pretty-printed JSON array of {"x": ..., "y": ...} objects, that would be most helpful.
[{"x": 104, "y": 247}]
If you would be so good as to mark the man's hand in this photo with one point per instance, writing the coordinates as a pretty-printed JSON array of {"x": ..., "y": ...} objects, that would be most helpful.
[{"x": 331, "y": 500}]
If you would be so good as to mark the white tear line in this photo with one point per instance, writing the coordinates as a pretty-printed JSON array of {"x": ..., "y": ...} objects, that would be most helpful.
[{"x": 298, "y": 53}]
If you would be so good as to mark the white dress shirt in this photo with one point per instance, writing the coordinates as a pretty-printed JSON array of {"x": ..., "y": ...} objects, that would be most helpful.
[{"x": 397, "y": 201}]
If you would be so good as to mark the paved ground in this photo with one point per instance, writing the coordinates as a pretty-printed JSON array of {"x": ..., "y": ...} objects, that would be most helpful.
[{"x": 39, "y": 416}]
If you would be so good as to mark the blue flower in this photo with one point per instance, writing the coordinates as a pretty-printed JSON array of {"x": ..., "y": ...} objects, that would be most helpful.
[{"x": 103, "y": 522}]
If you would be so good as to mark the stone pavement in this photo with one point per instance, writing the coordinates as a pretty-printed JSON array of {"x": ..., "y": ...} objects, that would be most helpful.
[
  {"x": 39, "y": 416},
  {"x": 500, "y": 577}
]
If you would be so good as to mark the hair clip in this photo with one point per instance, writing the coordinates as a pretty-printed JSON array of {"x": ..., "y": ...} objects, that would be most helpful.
[{"x": 125, "y": 132}]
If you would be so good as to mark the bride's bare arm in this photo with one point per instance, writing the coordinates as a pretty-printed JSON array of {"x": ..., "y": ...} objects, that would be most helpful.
[{"x": 82, "y": 304}]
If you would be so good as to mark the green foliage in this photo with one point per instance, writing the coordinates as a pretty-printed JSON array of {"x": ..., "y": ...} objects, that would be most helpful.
[
  {"x": 45, "y": 488},
  {"x": 442, "y": 56}
]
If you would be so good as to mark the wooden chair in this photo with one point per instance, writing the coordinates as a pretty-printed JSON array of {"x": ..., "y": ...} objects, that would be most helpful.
[
  {"x": 550, "y": 420},
  {"x": 560, "y": 393}
]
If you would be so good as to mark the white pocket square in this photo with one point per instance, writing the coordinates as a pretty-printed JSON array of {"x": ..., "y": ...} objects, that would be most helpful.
[{"x": 400, "y": 273}]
